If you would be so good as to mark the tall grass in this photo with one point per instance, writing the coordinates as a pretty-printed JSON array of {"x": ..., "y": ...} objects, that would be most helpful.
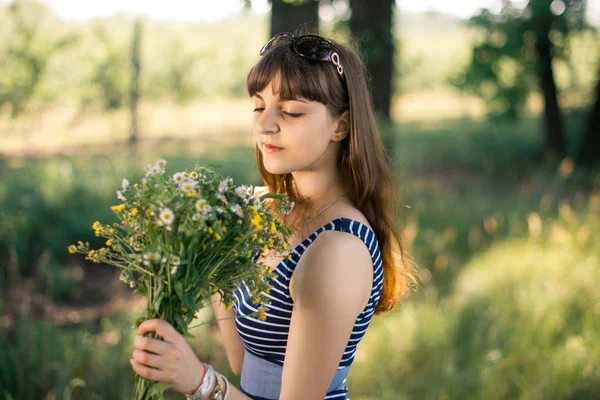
[{"x": 507, "y": 249}]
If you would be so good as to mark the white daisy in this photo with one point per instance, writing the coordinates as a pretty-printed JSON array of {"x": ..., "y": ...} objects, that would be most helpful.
[
  {"x": 186, "y": 175},
  {"x": 256, "y": 203},
  {"x": 201, "y": 205},
  {"x": 237, "y": 210},
  {"x": 148, "y": 168},
  {"x": 161, "y": 162},
  {"x": 221, "y": 209},
  {"x": 124, "y": 184},
  {"x": 223, "y": 186},
  {"x": 178, "y": 177},
  {"x": 222, "y": 198},
  {"x": 196, "y": 217},
  {"x": 120, "y": 196},
  {"x": 156, "y": 170},
  {"x": 167, "y": 216},
  {"x": 188, "y": 186},
  {"x": 194, "y": 175},
  {"x": 174, "y": 270},
  {"x": 241, "y": 191},
  {"x": 175, "y": 260}
]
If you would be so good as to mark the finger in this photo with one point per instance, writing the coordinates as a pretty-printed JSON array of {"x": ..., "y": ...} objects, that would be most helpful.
[
  {"x": 156, "y": 346},
  {"x": 161, "y": 327},
  {"x": 147, "y": 372},
  {"x": 147, "y": 359}
]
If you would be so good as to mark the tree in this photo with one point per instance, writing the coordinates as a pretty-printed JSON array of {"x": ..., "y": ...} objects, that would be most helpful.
[
  {"x": 590, "y": 148},
  {"x": 288, "y": 15},
  {"x": 516, "y": 56},
  {"x": 135, "y": 81},
  {"x": 371, "y": 24},
  {"x": 23, "y": 66}
]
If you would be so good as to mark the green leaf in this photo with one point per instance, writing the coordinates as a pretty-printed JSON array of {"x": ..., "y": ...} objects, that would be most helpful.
[
  {"x": 212, "y": 166},
  {"x": 158, "y": 301},
  {"x": 189, "y": 336},
  {"x": 158, "y": 388}
]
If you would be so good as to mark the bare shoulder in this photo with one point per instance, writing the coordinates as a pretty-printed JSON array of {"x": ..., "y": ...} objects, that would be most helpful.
[{"x": 336, "y": 264}]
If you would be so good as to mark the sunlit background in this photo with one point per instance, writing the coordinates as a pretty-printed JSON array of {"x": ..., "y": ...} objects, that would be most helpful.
[{"x": 491, "y": 117}]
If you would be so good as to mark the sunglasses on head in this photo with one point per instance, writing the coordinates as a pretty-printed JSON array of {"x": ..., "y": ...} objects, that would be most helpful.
[{"x": 311, "y": 47}]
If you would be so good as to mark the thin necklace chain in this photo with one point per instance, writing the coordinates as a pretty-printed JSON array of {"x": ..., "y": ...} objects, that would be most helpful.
[{"x": 326, "y": 207}]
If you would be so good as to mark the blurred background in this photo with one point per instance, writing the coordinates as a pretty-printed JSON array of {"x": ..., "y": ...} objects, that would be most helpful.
[{"x": 489, "y": 109}]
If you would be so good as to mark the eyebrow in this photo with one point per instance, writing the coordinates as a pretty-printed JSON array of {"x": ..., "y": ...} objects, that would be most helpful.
[{"x": 260, "y": 97}]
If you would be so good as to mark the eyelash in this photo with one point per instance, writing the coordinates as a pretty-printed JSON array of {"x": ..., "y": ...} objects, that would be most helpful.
[{"x": 291, "y": 115}]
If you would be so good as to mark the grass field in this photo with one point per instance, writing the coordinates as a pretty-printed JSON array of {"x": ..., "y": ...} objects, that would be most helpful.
[{"x": 507, "y": 253}]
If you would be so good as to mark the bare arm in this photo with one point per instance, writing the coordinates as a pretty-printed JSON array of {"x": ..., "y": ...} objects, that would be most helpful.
[{"x": 234, "y": 347}]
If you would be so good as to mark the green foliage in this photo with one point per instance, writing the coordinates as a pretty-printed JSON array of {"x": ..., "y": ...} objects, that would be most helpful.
[
  {"x": 26, "y": 58},
  {"x": 503, "y": 69},
  {"x": 110, "y": 77}
]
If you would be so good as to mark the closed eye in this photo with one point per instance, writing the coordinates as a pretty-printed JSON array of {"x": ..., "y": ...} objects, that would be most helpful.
[{"x": 293, "y": 115}]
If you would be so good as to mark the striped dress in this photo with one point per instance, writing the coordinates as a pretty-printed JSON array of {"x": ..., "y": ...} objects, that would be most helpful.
[{"x": 265, "y": 341}]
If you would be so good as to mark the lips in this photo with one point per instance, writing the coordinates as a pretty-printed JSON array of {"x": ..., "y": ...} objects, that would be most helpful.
[{"x": 269, "y": 148}]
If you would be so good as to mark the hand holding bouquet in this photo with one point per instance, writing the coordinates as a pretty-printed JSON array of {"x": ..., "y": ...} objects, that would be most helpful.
[{"x": 181, "y": 238}]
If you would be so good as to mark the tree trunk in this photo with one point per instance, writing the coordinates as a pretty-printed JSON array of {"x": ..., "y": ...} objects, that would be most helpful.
[
  {"x": 287, "y": 17},
  {"x": 135, "y": 82},
  {"x": 371, "y": 24},
  {"x": 553, "y": 128},
  {"x": 590, "y": 150}
]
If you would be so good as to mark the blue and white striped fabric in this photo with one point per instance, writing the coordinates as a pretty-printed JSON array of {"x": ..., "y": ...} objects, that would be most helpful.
[{"x": 265, "y": 342}]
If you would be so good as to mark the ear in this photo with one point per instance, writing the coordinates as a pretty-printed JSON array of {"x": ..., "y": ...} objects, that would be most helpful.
[{"x": 343, "y": 128}]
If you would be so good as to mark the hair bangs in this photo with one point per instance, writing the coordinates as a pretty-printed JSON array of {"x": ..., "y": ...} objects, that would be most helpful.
[{"x": 293, "y": 77}]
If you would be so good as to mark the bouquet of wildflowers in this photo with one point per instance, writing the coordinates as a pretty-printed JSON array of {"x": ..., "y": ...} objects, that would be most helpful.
[{"x": 181, "y": 238}]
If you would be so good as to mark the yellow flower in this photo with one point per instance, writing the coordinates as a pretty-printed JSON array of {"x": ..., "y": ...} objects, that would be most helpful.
[
  {"x": 254, "y": 291},
  {"x": 254, "y": 236},
  {"x": 135, "y": 185},
  {"x": 96, "y": 225},
  {"x": 203, "y": 246},
  {"x": 285, "y": 246},
  {"x": 219, "y": 237},
  {"x": 265, "y": 248},
  {"x": 109, "y": 242},
  {"x": 255, "y": 301},
  {"x": 192, "y": 193},
  {"x": 215, "y": 290},
  {"x": 134, "y": 211},
  {"x": 120, "y": 207},
  {"x": 256, "y": 221},
  {"x": 111, "y": 230},
  {"x": 72, "y": 249},
  {"x": 210, "y": 230},
  {"x": 262, "y": 315},
  {"x": 237, "y": 238},
  {"x": 228, "y": 306},
  {"x": 273, "y": 228},
  {"x": 183, "y": 309}
]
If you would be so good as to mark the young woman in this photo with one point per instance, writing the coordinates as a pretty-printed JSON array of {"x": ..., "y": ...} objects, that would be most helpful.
[{"x": 317, "y": 141}]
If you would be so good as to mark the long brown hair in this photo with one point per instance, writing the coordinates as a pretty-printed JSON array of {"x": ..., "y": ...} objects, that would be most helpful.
[{"x": 365, "y": 166}]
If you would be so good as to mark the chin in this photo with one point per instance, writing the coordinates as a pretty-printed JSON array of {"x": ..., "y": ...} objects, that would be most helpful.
[{"x": 277, "y": 167}]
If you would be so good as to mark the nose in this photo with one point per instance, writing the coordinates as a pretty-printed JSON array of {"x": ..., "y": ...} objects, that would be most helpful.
[{"x": 267, "y": 123}]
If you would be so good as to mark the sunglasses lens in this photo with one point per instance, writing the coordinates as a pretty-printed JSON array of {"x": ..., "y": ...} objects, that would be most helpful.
[
  {"x": 313, "y": 47},
  {"x": 275, "y": 40}
]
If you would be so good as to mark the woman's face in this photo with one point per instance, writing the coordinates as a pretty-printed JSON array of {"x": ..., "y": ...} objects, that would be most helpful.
[{"x": 302, "y": 129}]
